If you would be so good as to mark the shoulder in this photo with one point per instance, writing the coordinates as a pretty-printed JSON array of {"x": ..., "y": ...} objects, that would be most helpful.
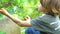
[{"x": 46, "y": 16}]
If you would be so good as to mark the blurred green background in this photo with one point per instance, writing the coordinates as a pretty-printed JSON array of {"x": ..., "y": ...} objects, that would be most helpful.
[{"x": 20, "y": 9}]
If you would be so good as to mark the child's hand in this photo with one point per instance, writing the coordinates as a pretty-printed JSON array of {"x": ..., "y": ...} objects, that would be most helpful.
[
  {"x": 3, "y": 11},
  {"x": 27, "y": 18}
]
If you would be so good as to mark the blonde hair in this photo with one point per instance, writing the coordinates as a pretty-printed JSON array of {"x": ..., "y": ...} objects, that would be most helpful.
[{"x": 52, "y": 6}]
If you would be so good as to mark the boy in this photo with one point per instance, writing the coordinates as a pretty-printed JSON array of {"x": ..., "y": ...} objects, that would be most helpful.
[{"x": 48, "y": 23}]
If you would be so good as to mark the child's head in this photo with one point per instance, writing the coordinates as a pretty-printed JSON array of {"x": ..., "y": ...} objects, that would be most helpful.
[{"x": 51, "y": 6}]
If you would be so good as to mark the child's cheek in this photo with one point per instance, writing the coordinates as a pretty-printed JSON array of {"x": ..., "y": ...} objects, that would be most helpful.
[{"x": 40, "y": 8}]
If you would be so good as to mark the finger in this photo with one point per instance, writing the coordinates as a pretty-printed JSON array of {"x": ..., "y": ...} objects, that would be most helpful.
[{"x": 27, "y": 17}]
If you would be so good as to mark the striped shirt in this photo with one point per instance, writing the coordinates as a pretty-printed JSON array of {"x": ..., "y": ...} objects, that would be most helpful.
[{"x": 47, "y": 23}]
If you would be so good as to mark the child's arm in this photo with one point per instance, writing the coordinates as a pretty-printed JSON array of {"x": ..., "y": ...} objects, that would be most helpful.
[{"x": 17, "y": 21}]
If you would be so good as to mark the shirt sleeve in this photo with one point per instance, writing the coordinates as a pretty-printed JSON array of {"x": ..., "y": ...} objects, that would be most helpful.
[
  {"x": 37, "y": 20},
  {"x": 36, "y": 23}
]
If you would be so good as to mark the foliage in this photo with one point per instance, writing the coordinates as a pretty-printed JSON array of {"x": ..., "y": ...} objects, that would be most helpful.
[
  {"x": 1, "y": 32},
  {"x": 20, "y": 8}
]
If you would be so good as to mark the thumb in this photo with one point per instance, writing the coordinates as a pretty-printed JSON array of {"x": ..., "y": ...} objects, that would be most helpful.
[{"x": 27, "y": 18}]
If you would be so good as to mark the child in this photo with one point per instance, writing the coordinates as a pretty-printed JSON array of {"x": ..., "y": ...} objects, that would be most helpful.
[{"x": 48, "y": 23}]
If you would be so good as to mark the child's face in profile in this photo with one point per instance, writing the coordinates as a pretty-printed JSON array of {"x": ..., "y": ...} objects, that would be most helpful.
[{"x": 41, "y": 8}]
